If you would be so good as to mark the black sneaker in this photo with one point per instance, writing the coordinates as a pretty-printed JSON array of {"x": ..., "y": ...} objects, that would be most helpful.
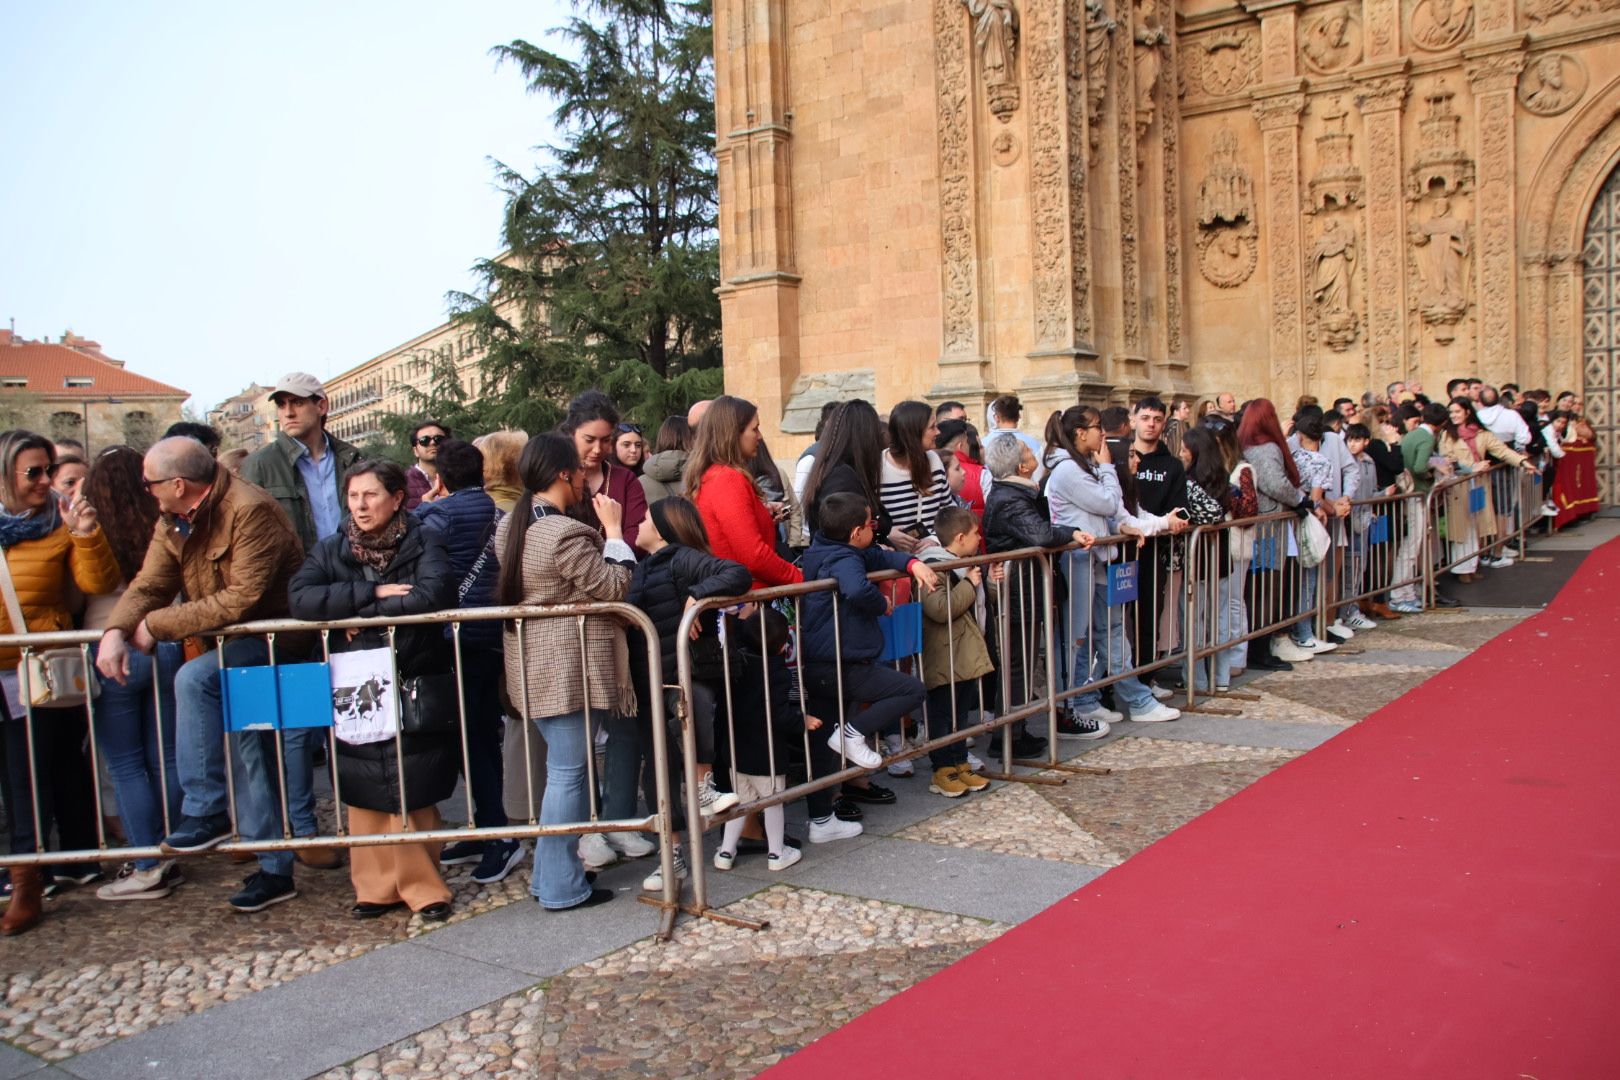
[
  {"x": 461, "y": 852},
  {"x": 1082, "y": 727},
  {"x": 197, "y": 834},
  {"x": 1028, "y": 746},
  {"x": 260, "y": 890},
  {"x": 500, "y": 856}
]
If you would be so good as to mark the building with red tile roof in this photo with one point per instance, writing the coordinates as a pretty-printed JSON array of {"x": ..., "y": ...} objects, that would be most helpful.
[{"x": 69, "y": 388}]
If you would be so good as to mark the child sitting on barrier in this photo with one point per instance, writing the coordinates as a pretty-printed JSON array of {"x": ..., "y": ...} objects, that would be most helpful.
[
  {"x": 955, "y": 655},
  {"x": 842, "y": 638},
  {"x": 762, "y": 721}
]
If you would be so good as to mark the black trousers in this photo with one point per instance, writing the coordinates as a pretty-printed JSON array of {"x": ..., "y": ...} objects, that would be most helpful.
[{"x": 66, "y": 783}]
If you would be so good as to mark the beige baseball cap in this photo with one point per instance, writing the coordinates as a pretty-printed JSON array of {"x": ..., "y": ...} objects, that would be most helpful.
[{"x": 299, "y": 384}]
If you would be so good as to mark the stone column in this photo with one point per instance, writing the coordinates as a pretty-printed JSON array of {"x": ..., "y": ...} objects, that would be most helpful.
[
  {"x": 1381, "y": 90},
  {"x": 1493, "y": 74},
  {"x": 759, "y": 290},
  {"x": 1279, "y": 116}
]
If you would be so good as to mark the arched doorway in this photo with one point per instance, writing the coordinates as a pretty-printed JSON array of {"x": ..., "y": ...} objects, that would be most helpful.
[{"x": 1600, "y": 331}]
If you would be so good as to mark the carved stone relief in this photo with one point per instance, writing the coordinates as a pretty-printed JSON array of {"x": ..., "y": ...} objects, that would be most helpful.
[
  {"x": 995, "y": 34},
  {"x": 1331, "y": 41},
  {"x": 957, "y": 229},
  {"x": 1493, "y": 80},
  {"x": 1440, "y": 161},
  {"x": 1049, "y": 186},
  {"x": 1151, "y": 41},
  {"x": 1338, "y": 181},
  {"x": 1279, "y": 127},
  {"x": 1441, "y": 246},
  {"x": 1537, "y": 12},
  {"x": 1170, "y": 194},
  {"x": 1332, "y": 263},
  {"x": 1224, "y": 63},
  {"x": 1551, "y": 84},
  {"x": 1228, "y": 244},
  {"x": 1077, "y": 113},
  {"x": 1380, "y": 100},
  {"x": 1437, "y": 25},
  {"x": 1099, "y": 40}
]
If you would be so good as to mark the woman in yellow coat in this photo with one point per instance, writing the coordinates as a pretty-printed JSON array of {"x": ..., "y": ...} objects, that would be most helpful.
[
  {"x": 44, "y": 544},
  {"x": 1470, "y": 444}
]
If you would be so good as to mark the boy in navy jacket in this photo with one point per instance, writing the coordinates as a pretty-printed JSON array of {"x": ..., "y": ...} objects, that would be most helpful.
[{"x": 842, "y": 550}]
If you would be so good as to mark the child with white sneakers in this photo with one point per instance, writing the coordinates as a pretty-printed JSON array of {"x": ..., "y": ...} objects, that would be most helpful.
[
  {"x": 955, "y": 654},
  {"x": 765, "y": 720}
]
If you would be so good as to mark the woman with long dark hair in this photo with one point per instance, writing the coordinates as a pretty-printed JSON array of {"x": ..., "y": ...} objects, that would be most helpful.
[
  {"x": 591, "y": 422},
  {"x": 850, "y": 459},
  {"x": 912, "y": 483},
  {"x": 384, "y": 563},
  {"x": 720, "y": 481},
  {"x": 549, "y": 557},
  {"x": 1277, "y": 483},
  {"x": 1211, "y": 499},
  {"x": 134, "y": 730},
  {"x": 1466, "y": 441}
]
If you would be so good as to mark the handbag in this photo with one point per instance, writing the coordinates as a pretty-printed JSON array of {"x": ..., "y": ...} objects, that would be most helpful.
[
  {"x": 55, "y": 678},
  {"x": 1313, "y": 541},
  {"x": 428, "y": 705}
]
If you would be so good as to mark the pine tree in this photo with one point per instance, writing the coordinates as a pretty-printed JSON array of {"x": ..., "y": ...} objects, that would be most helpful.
[{"x": 612, "y": 252}]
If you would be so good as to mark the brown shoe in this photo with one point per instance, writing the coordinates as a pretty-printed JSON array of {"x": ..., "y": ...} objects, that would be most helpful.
[
  {"x": 320, "y": 858},
  {"x": 27, "y": 901},
  {"x": 1383, "y": 611}
]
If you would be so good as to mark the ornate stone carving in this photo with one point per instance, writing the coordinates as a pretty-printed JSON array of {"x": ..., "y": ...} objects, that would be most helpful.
[
  {"x": 1005, "y": 149},
  {"x": 1539, "y": 11},
  {"x": 961, "y": 301},
  {"x": 1279, "y": 126},
  {"x": 1049, "y": 183},
  {"x": 1493, "y": 81},
  {"x": 810, "y": 392},
  {"x": 1440, "y": 161},
  {"x": 1331, "y": 41},
  {"x": 1170, "y": 175},
  {"x": 1125, "y": 159},
  {"x": 995, "y": 33},
  {"x": 1226, "y": 194},
  {"x": 1099, "y": 40},
  {"x": 1551, "y": 84},
  {"x": 1151, "y": 40},
  {"x": 1332, "y": 266},
  {"x": 1437, "y": 25},
  {"x": 1077, "y": 105},
  {"x": 1226, "y": 62},
  {"x": 1441, "y": 245},
  {"x": 1380, "y": 101},
  {"x": 1228, "y": 255},
  {"x": 1337, "y": 181}
]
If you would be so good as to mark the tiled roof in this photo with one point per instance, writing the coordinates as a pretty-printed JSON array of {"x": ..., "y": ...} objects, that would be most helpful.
[{"x": 48, "y": 366}]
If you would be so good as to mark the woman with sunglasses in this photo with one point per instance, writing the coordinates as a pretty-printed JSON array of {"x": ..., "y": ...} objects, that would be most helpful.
[
  {"x": 629, "y": 448},
  {"x": 45, "y": 543}
]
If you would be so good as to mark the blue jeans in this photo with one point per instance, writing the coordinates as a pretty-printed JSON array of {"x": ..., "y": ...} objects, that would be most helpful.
[
  {"x": 200, "y": 753},
  {"x": 558, "y": 880},
  {"x": 1103, "y": 649},
  {"x": 1237, "y": 615},
  {"x": 1306, "y": 630},
  {"x": 1215, "y": 626},
  {"x": 135, "y": 734}
]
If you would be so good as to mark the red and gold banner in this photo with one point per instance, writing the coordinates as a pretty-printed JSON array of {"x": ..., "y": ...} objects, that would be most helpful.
[{"x": 1575, "y": 491}]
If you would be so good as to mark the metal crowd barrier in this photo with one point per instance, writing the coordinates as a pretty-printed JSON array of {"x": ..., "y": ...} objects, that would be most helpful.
[
  {"x": 1473, "y": 515},
  {"x": 1377, "y": 549},
  {"x": 658, "y": 821}
]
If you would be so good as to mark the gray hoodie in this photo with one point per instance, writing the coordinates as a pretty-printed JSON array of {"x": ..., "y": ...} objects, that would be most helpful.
[{"x": 1090, "y": 503}]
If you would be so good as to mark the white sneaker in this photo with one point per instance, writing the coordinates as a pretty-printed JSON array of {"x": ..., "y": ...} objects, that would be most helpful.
[
  {"x": 1358, "y": 621},
  {"x": 725, "y": 860},
  {"x": 1342, "y": 630},
  {"x": 822, "y": 832},
  {"x": 632, "y": 845},
  {"x": 654, "y": 882},
  {"x": 1160, "y": 692},
  {"x": 1157, "y": 715},
  {"x": 133, "y": 884},
  {"x": 896, "y": 744},
  {"x": 1098, "y": 712},
  {"x": 1499, "y": 562},
  {"x": 789, "y": 856},
  {"x": 1284, "y": 648},
  {"x": 1549, "y": 509},
  {"x": 595, "y": 853},
  {"x": 712, "y": 802},
  {"x": 854, "y": 746},
  {"x": 1318, "y": 646},
  {"x": 974, "y": 763}
]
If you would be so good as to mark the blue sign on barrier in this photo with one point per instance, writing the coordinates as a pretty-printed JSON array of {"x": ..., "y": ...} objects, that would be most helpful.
[
  {"x": 1265, "y": 555},
  {"x": 266, "y": 698},
  {"x": 1378, "y": 531},
  {"x": 1476, "y": 500},
  {"x": 1123, "y": 584}
]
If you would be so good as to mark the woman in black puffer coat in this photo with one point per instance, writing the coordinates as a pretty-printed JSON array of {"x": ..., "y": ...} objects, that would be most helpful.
[{"x": 382, "y": 562}]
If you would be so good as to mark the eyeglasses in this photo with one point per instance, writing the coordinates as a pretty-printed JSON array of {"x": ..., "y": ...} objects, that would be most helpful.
[
  {"x": 34, "y": 472},
  {"x": 149, "y": 484},
  {"x": 431, "y": 440},
  {"x": 628, "y": 429},
  {"x": 1092, "y": 427}
]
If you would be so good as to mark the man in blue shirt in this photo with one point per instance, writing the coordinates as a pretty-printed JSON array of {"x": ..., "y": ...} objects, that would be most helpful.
[{"x": 303, "y": 471}]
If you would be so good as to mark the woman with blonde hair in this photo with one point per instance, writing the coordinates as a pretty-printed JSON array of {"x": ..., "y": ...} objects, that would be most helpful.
[{"x": 501, "y": 450}]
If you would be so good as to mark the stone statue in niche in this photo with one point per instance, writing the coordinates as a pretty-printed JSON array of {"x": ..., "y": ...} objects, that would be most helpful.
[
  {"x": 1441, "y": 247},
  {"x": 1440, "y": 24},
  {"x": 1151, "y": 40},
  {"x": 1552, "y": 83},
  {"x": 1099, "y": 40},
  {"x": 995, "y": 32},
  {"x": 1332, "y": 261},
  {"x": 1227, "y": 237},
  {"x": 1332, "y": 42}
]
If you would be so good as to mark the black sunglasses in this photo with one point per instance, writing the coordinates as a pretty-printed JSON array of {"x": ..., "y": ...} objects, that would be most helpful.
[
  {"x": 626, "y": 429},
  {"x": 431, "y": 440},
  {"x": 149, "y": 484},
  {"x": 34, "y": 472}
]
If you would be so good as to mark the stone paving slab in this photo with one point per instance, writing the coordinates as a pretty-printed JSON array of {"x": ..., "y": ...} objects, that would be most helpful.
[
  {"x": 15, "y": 1063},
  {"x": 1246, "y": 730},
  {"x": 311, "y": 1024}
]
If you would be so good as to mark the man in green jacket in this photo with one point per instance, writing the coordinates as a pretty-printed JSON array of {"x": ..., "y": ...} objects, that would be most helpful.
[{"x": 303, "y": 471}]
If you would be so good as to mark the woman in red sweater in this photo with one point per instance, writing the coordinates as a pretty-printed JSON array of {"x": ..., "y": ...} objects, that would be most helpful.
[{"x": 740, "y": 526}]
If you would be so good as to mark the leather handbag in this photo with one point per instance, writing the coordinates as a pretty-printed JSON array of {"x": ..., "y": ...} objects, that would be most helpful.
[
  {"x": 428, "y": 705},
  {"x": 53, "y": 678}
]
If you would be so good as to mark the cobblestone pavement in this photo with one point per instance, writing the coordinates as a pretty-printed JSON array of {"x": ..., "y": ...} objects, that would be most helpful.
[{"x": 717, "y": 1001}]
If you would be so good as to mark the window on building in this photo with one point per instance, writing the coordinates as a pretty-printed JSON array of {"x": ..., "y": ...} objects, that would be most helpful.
[
  {"x": 14, "y": 382},
  {"x": 78, "y": 382},
  {"x": 67, "y": 425},
  {"x": 140, "y": 430}
]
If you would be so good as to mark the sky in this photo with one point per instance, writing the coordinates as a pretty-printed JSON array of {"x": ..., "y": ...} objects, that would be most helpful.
[{"x": 224, "y": 192}]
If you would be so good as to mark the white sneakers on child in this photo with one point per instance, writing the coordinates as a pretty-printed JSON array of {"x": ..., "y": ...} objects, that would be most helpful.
[
  {"x": 1160, "y": 713},
  {"x": 712, "y": 802},
  {"x": 1286, "y": 649},
  {"x": 789, "y": 856},
  {"x": 896, "y": 744},
  {"x": 654, "y": 882},
  {"x": 854, "y": 746}
]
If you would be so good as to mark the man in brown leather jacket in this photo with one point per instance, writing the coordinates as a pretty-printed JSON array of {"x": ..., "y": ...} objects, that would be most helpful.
[{"x": 229, "y": 551}]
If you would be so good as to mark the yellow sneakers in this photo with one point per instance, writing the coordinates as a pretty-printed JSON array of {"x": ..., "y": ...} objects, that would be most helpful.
[
  {"x": 970, "y": 779},
  {"x": 946, "y": 782}
]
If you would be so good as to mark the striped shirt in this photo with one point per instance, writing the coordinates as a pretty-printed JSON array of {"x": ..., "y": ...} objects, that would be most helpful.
[{"x": 908, "y": 508}]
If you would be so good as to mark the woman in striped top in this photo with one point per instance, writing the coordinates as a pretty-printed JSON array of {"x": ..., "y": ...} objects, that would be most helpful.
[{"x": 913, "y": 487}]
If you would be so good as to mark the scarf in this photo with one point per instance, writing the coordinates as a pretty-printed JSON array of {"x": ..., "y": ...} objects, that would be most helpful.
[
  {"x": 29, "y": 525},
  {"x": 376, "y": 551},
  {"x": 1470, "y": 435}
]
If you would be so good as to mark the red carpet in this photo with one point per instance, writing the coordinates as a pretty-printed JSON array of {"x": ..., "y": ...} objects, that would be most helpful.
[{"x": 1435, "y": 893}]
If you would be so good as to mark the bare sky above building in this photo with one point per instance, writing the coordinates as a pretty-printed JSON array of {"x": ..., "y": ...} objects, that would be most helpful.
[{"x": 224, "y": 192}]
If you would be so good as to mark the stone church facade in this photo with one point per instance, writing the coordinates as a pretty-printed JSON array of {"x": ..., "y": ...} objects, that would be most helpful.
[{"x": 1094, "y": 199}]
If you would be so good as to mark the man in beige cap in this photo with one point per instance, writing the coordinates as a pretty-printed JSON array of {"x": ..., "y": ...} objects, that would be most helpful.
[{"x": 303, "y": 471}]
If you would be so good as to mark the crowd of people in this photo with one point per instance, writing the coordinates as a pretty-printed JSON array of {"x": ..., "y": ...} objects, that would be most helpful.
[{"x": 157, "y": 551}]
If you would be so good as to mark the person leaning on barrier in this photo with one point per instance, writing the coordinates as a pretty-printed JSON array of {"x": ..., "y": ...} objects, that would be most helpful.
[
  {"x": 47, "y": 545},
  {"x": 134, "y": 729},
  {"x": 466, "y": 518},
  {"x": 1471, "y": 447},
  {"x": 384, "y": 563},
  {"x": 1280, "y": 487},
  {"x": 229, "y": 549},
  {"x": 552, "y": 677}
]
